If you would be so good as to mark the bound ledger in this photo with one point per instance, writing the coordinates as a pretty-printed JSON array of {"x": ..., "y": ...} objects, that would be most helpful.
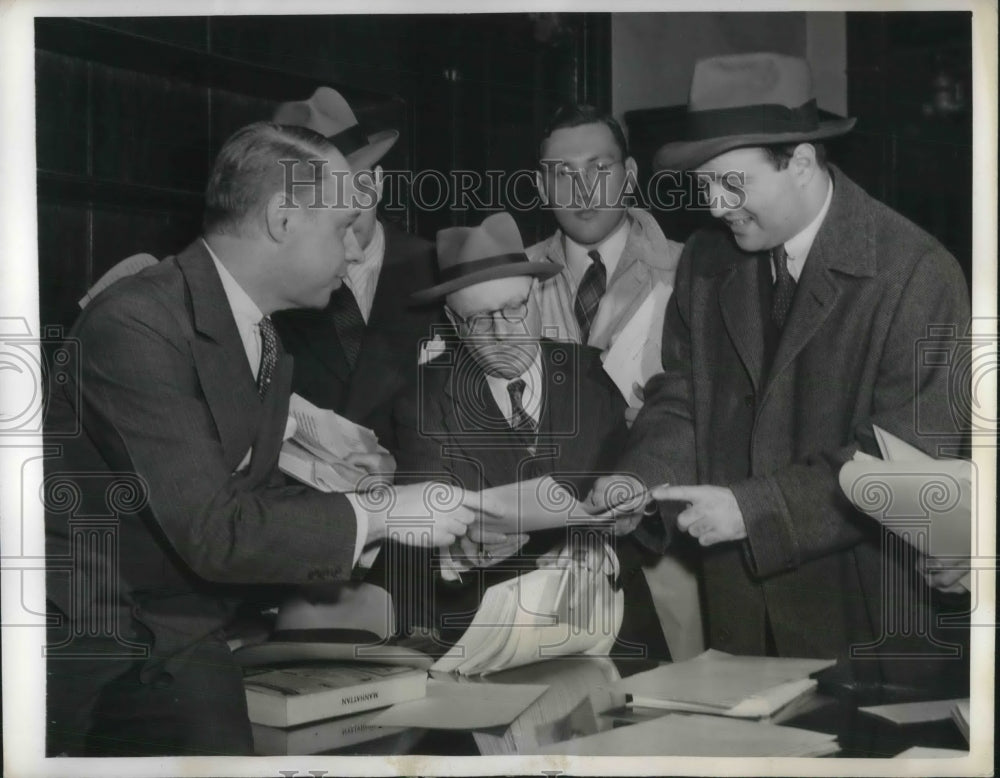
[{"x": 289, "y": 696}]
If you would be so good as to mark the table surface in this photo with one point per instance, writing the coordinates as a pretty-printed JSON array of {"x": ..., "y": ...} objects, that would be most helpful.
[{"x": 578, "y": 703}]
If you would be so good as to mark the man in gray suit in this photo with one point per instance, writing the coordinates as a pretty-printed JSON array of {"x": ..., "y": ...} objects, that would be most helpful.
[
  {"x": 181, "y": 393},
  {"x": 789, "y": 334}
]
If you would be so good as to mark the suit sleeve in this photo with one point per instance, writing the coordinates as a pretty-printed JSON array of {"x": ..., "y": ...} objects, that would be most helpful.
[
  {"x": 143, "y": 407},
  {"x": 799, "y": 513},
  {"x": 661, "y": 445}
]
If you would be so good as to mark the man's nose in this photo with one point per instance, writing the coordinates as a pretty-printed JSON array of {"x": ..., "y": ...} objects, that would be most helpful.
[{"x": 717, "y": 201}]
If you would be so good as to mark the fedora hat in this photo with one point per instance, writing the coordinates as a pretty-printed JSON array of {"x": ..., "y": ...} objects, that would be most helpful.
[
  {"x": 333, "y": 622},
  {"x": 471, "y": 255},
  {"x": 747, "y": 100},
  {"x": 328, "y": 113}
]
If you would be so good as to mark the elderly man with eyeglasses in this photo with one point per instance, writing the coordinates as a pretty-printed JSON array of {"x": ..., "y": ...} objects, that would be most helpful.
[{"x": 501, "y": 404}]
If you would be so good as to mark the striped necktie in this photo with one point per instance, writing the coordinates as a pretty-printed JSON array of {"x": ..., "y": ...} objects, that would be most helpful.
[
  {"x": 520, "y": 419},
  {"x": 588, "y": 296},
  {"x": 784, "y": 287},
  {"x": 268, "y": 355},
  {"x": 348, "y": 321}
]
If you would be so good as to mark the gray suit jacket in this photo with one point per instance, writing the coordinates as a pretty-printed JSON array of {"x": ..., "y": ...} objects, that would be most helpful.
[
  {"x": 169, "y": 407},
  {"x": 847, "y": 359}
]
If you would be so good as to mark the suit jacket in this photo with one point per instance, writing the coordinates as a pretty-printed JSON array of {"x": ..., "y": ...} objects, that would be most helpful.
[
  {"x": 168, "y": 409},
  {"x": 387, "y": 362},
  {"x": 453, "y": 424},
  {"x": 648, "y": 259},
  {"x": 846, "y": 360}
]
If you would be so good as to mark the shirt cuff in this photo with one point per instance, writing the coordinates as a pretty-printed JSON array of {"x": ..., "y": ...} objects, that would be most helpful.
[{"x": 361, "y": 556}]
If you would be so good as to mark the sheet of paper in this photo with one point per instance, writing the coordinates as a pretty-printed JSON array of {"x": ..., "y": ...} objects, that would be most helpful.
[
  {"x": 326, "y": 434},
  {"x": 303, "y": 465},
  {"x": 458, "y": 705},
  {"x": 693, "y": 735},
  {"x": 528, "y": 506},
  {"x": 634, "y": 357},
  {"x": 719, "y": 679},
  {"x": 913, "y": 712},
  {"x": 923, "y": 752},
  {"x": 897, "y": 450}
]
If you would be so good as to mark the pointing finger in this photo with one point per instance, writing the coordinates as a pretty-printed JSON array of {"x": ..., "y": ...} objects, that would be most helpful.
[{"x": 679, "y": 493}]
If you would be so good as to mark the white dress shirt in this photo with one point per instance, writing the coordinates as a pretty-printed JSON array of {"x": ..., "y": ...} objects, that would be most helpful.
[
  {"x": 248, "y": 317},
  {"x": 798, "y": 246},
  {"x": 362, "y": 277}
]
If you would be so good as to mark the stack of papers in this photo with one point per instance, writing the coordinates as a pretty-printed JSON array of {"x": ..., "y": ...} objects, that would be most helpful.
[
  {"x": 914, "y": 712},
  {"x": 725, "y": 685},
  {"x": 464, "y": 706},
  {"x": 894, "y": 490},
  {"x": 539, "y": 615},
  {"x": 691, "y": 735},
  {"x": 317, "y": 451},
  {"x": 960, "y": 713}
]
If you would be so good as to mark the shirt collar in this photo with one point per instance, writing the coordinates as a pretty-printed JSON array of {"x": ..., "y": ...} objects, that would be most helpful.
[
  {"x": 245, "y": 310},
  {"x": 531, "y": 399},
  {"x": 362, "y": 277},
  {"x": 610, "y": 249},
  {"x": 798, "y": 247}
]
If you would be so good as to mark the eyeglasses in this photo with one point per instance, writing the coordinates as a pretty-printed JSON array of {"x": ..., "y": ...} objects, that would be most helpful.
[{"x": 480, "y": 323}]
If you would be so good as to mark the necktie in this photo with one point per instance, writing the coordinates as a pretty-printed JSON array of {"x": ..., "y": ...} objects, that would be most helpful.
[
  {"x": 268, "y": 355},
  {"x": 784, "y": 287},
  {"x": 520, "y": 420},
  {"x": 588, "y": 296},
  {"x": 348, "y": 321}
]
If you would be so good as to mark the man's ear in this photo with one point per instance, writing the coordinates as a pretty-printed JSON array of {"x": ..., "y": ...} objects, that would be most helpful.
[
  {"x": 379, "y": 176},
  {"x": 279, "y": 214},
  {"x": 632, "y": 169},
  {"x": 803, "y": 163}
]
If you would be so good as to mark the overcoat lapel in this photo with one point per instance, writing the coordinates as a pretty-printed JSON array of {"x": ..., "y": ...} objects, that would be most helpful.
[{"x": 741, "y": 314}]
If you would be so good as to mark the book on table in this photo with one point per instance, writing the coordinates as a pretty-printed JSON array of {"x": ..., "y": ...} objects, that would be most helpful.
[
  {"x": 292, "y": 695},
  {"x": 319, "y": 736},
  {"x": 714, "y": 682}
]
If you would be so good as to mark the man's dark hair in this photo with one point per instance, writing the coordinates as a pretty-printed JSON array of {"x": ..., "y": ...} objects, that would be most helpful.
[
  {"x": 575, "y": 115},
  {"x": 781, "y": 154},
  {"x": 248, "y": 171}
]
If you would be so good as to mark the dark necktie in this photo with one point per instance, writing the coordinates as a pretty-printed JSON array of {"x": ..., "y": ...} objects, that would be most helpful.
[
  {"x": 520, "y": 420},
  {"x": 348, "y": 321},
  {"x": 784, "y": 287},
  {"x": 588, "y": 296},
  {"x": 268, "y": 355}
]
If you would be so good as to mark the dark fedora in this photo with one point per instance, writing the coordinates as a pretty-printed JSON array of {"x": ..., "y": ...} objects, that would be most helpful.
[
  {"x": 471, "y": 255},
  {"x": 747, "y": 100},
  {"x": 328, "y": 113}
]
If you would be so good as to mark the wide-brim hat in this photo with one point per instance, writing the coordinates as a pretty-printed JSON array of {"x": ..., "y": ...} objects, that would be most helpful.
[
  {"x": 471, "y": 255},
  {"x": 333, "y": 622},
  {"x": 328, "y": 113},
  {"x": 747, "y": 100}
]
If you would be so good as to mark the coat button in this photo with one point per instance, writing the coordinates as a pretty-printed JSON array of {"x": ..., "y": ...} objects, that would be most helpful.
[{"x": 748, "y": 400}]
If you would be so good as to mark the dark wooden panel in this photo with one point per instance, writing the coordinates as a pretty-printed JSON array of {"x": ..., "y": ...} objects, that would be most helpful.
[
  {"x": 149, "y": 130},
  {"x": 61, "y": 113},
  {"x": 191, "y": 32},
  {"x": 63, "y": 261}
]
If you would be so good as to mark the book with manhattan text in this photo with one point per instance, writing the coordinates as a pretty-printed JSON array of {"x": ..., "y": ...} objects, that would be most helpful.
[{"x": 293, "y": 695}]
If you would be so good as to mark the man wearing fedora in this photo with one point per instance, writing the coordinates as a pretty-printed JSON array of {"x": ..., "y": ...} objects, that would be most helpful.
[
  {"x": 504, "y": 405},
  {"x": 356, "y": 353},
  {"x": 791, "y": 331},
  {"x": 613, "y": 257},
  {"x": 168, "y": 503}
]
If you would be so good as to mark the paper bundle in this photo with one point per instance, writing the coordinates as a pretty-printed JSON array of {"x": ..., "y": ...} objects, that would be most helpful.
[{"x": 907, "y": 491}]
